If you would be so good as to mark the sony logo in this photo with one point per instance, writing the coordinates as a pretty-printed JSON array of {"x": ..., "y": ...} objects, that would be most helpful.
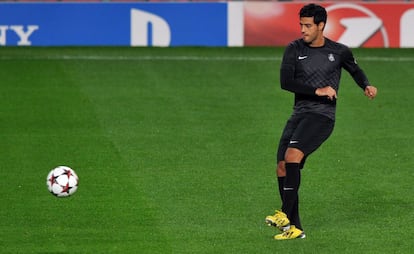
[{"x": 22, "y": 32}]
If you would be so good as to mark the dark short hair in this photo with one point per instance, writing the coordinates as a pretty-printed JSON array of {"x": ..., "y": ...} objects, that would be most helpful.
[{"x": 313, "y": 10}]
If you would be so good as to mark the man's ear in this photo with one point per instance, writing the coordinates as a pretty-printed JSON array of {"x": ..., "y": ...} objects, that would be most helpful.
[{"x": 321, "y": 26}]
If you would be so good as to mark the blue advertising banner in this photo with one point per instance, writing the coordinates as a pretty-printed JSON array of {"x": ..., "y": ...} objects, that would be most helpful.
[{"x": 113, "y": 24}]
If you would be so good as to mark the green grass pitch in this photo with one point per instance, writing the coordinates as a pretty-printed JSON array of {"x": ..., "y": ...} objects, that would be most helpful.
[{"x": 175, "y": 152}]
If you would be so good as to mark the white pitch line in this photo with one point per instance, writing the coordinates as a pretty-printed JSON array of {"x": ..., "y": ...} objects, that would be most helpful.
[
  {"x": 141, "y": 58},
  {"x": 387, "y": 59},
  {"x": 186, "y": 58}
]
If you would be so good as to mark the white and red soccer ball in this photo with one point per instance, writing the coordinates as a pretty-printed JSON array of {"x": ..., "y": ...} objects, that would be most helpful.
[{"x": 62, "y": 181}]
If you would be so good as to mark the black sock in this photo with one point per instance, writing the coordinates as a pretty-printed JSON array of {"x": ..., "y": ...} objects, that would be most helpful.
[
  {"x": 281, "y": 182},
  {"x": 290, "y": 189},
  {"x": 294, "y": 216}
]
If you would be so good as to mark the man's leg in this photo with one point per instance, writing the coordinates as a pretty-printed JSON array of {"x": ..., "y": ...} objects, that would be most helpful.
[
  {"x": 279, "y": 219},
  {"x": 293, "y": 214},
  {"x": 308, "y": 135},
  {"x": 290, "y": 205}
]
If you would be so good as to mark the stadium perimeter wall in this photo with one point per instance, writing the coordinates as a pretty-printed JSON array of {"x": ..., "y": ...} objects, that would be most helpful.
[{"x": 168, "y": 24}]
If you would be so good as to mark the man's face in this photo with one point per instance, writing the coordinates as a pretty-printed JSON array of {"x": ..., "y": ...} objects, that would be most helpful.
[{"x": 310, "y": 31}]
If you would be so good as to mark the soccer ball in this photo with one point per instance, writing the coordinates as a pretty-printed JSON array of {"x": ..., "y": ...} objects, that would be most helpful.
[{"x": 62, "y": 181}]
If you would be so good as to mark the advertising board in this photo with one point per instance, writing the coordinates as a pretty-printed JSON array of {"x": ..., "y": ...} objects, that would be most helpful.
[
  {"x": 354, "y": 24},
  {"x": 221, "y": 24},
  {"x": 117, "y": 24}
]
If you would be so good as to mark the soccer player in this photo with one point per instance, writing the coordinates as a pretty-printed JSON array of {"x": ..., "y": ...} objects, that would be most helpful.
[{"x": 311, "y": 69}]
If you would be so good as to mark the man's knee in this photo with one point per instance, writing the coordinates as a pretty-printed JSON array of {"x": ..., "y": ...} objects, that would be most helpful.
[
  {"x": 281, "y": 170},
  {"x": 293, "y": 155}
]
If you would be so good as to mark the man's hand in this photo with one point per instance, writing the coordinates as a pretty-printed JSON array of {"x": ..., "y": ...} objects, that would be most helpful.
[
  {"x": 327, "y": 91},
  {"x": 371, "y": 92}
]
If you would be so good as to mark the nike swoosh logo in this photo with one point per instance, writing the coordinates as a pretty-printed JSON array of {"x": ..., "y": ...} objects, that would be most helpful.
[
  {"x": 302, "y": 57},
  {"x": 293, "y": 142}
]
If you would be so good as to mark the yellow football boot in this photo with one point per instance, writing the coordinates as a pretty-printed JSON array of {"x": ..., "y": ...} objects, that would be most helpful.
[
  {"x": 291, "y": 233},
  {"x": 279, "y": 220}
]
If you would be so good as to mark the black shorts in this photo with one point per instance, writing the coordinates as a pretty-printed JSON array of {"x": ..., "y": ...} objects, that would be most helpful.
[{"x": 305, "y": 132}]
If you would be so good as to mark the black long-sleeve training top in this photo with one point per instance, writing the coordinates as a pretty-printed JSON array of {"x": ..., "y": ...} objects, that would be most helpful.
[{"x": 305, "y": 68}]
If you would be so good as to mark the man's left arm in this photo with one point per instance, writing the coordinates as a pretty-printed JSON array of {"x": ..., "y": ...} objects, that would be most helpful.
[{"x": 358, "y": 75}]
